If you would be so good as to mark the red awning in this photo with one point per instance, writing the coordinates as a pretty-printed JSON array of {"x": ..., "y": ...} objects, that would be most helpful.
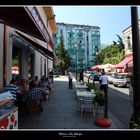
[
  {"x": 56, "y": 60},
  {"x": 123, "y": 63},
  {"x": 26, "y": 19},
  {"x": 97, "y": 67},
  {"x": 130, "y": 64}
]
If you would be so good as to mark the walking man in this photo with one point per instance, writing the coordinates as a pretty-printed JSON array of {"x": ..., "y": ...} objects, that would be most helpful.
[
  {"x": 103, "y": 82},
  {"x": 70, "y": 76},
  {"x": 104, "y": 87},
  {"x": 81, "y": 78}
]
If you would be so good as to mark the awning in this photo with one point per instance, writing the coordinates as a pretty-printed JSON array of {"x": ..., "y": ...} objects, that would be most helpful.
[
  {"x": 123, "y": 63},
  {"x": 26, "y": 19},
  {"x": 36, "y": 45},
  {"x": 130, "y": 64},
  {"x": 56, "y": 60},
  {"x": 96, "y": 67}
]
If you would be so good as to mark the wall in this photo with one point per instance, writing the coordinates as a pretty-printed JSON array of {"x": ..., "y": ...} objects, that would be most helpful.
[{"x": 9, "y": 54}]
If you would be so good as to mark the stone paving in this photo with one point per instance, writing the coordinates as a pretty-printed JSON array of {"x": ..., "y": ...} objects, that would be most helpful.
[{"x": 60, "y": 111}]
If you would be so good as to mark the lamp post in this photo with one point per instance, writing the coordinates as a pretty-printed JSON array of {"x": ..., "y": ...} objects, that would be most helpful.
[{"x": 76, "y": 62}]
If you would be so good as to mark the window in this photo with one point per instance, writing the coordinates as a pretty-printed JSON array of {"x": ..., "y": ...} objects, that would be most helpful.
[
  {"x": 87, "y": 38},
  {"x": 96, "y": 49},
  {"x": 128, "y": 43}
]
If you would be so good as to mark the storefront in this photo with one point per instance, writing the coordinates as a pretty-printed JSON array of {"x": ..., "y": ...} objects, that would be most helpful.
[
  {"x": 28, "y": 24},
  {"x": 26, "y": 46}
]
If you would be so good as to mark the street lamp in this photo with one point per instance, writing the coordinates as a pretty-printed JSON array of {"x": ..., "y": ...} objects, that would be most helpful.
[{"x": 76, "y": 61}]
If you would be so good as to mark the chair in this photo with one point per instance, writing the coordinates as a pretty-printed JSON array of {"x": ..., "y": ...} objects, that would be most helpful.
[
  {"x": 87, "y": 105},
  {"x": 34, "y": 106},
  {"x": 99, "y": 110}
]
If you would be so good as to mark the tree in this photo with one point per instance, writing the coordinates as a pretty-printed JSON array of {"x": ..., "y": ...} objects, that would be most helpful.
[
  {"x": 112, "y": 54},
  {"x": 120, "y": 41},
  {"x": 64, "y": 58},
  {"x": 114, "y": 42}
]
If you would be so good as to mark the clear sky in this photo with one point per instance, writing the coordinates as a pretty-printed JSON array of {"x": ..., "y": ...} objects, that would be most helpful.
[{"x": 112, "y": 20}]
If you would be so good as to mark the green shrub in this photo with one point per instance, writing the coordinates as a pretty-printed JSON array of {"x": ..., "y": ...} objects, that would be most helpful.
[
  {"x": 99, "y": 98},
  {"x": 90, "y": 86}
]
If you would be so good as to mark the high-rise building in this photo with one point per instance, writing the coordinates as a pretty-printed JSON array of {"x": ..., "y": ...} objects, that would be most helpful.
[{"x": 82, "y": 43}]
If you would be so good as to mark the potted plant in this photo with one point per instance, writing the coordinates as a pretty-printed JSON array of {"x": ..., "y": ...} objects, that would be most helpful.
[
  {"x": 90, "y": 86},
  {"x": 99, "y": 98}
]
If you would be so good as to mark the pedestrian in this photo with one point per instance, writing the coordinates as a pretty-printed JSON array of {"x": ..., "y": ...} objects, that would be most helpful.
[
  {"x": 81, "y": 78},
  {"x": 70, "y": 76},
  {"x": 104, "y": 87},
  {"x": 103, "y": 82},
  {"x": 51, "y": 76}
]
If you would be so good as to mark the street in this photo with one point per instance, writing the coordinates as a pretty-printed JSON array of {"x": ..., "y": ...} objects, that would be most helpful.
[{"x": 119, "y": 104}]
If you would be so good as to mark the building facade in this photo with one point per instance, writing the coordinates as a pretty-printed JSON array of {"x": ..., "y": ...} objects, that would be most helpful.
[
  {"x": 82, "y": 43},
  {"x": 126, "y": 65},
  {"x": 26, "y": 41}
]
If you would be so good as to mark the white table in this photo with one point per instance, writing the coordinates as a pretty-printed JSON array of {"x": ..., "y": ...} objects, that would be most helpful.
[
  {"x": 82, "y": 93},
  {"x": 79, "y": 85}
]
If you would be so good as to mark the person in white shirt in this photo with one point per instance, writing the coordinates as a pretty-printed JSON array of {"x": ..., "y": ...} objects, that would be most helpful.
[
  {"x": 103, "y": 82},
  {"x": 70, "y": 76}
]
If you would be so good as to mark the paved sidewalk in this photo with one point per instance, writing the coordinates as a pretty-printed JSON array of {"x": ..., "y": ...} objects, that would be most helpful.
[{"x": 60, "y": 112}]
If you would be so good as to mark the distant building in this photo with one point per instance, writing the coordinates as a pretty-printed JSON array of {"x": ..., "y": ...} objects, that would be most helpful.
[{"x": 82, "y": 41}]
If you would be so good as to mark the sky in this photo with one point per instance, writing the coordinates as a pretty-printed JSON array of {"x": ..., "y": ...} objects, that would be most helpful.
[{"x": 112, "y": 20}]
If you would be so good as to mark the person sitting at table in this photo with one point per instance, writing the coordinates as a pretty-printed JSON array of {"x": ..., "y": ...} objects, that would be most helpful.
[
  {"x": 44, "y": 85},
  {"x": 36, "y": 80},
  {"x": 35, "y": 94},
  {"x": 23, "y": 86},
  {"x": 12, "y": 87}
]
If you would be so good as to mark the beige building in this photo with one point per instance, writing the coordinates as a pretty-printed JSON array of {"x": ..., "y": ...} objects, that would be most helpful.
[
  {"x": 126, "y": 65},
  {"x": 26, "y": 40}
]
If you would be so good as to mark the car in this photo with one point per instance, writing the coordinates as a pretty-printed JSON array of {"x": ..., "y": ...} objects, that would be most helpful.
[
  {"x": 87, "y": 74},
  {"x": 56, "y": 72},
  {"x": 111, "y": 76},
  {"x": 95, "y": 76},
  {"x": 122, "y": 80}
]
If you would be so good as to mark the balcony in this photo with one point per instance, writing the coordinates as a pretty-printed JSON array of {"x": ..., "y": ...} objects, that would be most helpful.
[
  {"x": 81, "y": 49},
  {"x": 71, "y": 43},
  {"x": 71, "y": 33},
  {"x": 97, "y": 35},
  {"x": 80, "y": 34},
  {"x": 80, "y": 38},
  {"x": 71, "y": 38},
  {"x": 81, "y": 57}
]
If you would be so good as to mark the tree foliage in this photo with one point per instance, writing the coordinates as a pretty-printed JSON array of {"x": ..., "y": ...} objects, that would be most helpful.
[
  {"x": 64, "y": 58},
  {"x": 113, "y": 53}
]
